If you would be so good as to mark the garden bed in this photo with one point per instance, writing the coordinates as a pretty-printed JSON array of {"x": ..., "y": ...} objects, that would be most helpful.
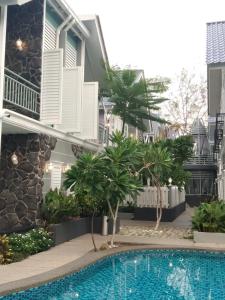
[
  {"x": 209, "y": 237},
  {"x": 149, "y": 213}
]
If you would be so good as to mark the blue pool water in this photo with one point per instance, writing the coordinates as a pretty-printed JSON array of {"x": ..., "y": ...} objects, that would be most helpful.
[{"x": 140, "y": 275}]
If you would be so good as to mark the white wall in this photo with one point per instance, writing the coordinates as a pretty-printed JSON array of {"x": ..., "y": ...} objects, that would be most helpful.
[{"x": 62, "y": 154}]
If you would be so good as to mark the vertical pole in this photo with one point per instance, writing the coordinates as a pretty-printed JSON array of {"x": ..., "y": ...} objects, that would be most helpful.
[{"x": 3, "y": 21}]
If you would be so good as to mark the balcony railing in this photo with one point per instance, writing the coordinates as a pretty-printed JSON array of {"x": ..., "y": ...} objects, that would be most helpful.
[
  {"x": 203, "y": 160},
  {"x": 21, "y": 93},
  {"x": 103, "y": 134}
]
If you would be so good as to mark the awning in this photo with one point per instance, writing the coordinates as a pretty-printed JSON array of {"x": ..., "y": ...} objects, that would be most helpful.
[{"x": 15, "y": 123}]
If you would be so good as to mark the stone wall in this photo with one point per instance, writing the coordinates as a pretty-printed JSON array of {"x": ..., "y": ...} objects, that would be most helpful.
[
  {"x": 25, "y": 22},
  {"x": 21, "y": 185}
]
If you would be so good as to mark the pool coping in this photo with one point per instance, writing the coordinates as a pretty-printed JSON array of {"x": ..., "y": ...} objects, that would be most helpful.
[{"x": 89, "y": 258}]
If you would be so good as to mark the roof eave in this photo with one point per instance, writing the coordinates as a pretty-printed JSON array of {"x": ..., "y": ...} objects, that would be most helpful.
[
  {"x": 79, "y": 23},
  {"x": 13, "y": 2}
]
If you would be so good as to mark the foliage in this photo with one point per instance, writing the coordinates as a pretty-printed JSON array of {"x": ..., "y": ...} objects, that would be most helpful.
[
  {"x": 134, "y": 100},
  {"x": 5, "y": 250},
  {"x": 106, "y": 178},
  {"x": 189, "y": 101},
  {"x": 180, "y": 149},
  {"x": 34, "y": 241},
  {"x": 86, "y": 206},
  {"x": 87, "y": 179},
  {"x": 157, "y": 162},
  {"x": 59, "y": 207},
  {"x": 210, "y": 217}
]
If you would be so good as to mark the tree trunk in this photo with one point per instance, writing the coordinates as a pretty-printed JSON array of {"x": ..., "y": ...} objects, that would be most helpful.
[
  {"x": 123, "y": 127},
  {"x": 92, "y": 231},
  {"x": 114, "y": 218},
  {"x": 159, "y": 207}
]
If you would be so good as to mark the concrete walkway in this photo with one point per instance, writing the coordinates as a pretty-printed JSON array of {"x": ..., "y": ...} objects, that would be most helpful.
[{"x": 73, "y": 255}]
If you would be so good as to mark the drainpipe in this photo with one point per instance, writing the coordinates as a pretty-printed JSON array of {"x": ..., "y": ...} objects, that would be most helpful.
[
  {"x": 59, "y": 29},
  {"x": 68, "y": 27},
  {"x": 3, "y": 22}
]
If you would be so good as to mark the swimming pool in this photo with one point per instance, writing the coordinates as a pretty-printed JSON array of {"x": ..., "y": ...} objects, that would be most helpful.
[{"x": 140, "y": 275}]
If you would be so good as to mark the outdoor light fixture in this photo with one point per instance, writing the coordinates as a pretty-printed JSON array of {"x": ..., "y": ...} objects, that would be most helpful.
[
  {"x": 14, "y": 159},
  {"x": 170, "y": 181},
  {"x": 19, "y": 44},
  {"x": 65, "y": 168},
  {"x": 48, "y": 167}
]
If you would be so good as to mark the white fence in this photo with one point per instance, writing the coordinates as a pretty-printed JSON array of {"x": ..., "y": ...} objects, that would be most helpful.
[{"x": 170, "y": 197}]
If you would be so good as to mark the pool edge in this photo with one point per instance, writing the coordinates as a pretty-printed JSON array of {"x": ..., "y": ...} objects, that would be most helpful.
[{"x": 84, "y": 261}]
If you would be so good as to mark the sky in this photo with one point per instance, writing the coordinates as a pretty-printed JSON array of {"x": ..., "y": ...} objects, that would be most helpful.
[{"x": 160, "y": 36}]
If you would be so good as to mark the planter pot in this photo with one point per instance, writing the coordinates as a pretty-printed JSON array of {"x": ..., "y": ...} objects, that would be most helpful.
[
  {"x": 209, "y": 237},
  {"x": 69, "y": 230},
  {"x": 98, "y": 224},
  {"x": 126, "y": 216},
  {"x": 168, "y": 214}
]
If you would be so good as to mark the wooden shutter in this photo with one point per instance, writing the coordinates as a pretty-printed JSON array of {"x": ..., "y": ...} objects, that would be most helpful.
[
  {"x": 49, "y": 36},
  {"x": 51, "y": 91},
  {"x": 72, "y": 100},
  {"x": 90, "y": 111},
  {"x": 56, "y": 176}
]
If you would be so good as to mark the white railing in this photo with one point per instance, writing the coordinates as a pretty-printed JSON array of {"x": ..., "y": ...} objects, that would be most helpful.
[
  {"x": 201, "y": 160},
  {"x": 20, "y": 92},
  {"x": 171, "y": 197}
]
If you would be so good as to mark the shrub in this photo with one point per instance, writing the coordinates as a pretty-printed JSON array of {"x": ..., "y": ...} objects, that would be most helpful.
[
  {"x": 5, "y": 251},
  {"x": 59, "y": 207},
  {"x": 34, "y": 241},
  {"x": 210, "y": 217}
]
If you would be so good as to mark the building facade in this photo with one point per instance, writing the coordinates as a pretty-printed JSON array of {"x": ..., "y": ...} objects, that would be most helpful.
[
  {"x": 216, "y": 97},
  {"x": 52, "y": 67}
]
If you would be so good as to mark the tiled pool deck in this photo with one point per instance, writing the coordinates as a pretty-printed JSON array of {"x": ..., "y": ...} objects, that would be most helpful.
[{"x": 73, "y": 255}]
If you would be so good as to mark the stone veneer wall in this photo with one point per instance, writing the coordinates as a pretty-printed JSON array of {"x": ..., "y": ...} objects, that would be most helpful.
[
  {"x": 21, "y": 185},
  {"x": 25, "y": 22}
]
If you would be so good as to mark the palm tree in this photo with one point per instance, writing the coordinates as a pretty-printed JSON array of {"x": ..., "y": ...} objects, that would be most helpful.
[{"x": 133, "y": 101}]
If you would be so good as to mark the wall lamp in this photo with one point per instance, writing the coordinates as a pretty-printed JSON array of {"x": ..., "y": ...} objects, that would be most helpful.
[
  {"x": 20, "y": 44},
  {"x": 14, "y": 159}
]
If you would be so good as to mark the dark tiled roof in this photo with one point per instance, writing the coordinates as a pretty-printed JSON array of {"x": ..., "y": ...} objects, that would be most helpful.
[{"x": 215, "y": 42}]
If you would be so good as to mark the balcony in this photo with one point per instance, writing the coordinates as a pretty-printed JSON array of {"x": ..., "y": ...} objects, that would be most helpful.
[
  {"x": 203, "y": 160},
  {"x": 21, "y": 95},
  {"x": 218, "y": 137}
]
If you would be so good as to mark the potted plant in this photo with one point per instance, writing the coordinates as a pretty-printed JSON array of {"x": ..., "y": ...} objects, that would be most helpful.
[{"x": 208, "y": 223}]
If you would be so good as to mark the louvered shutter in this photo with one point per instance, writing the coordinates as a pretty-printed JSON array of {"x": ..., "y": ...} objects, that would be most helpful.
[
  {"x": 71, "y": 55},
  {"x": 51, "y": 91},
  {"x": 49, "y": 36},
  {"x": 56, "y": 176},
  {"x": 90, "y": 111},
  {"x": 72, "y": 100}
]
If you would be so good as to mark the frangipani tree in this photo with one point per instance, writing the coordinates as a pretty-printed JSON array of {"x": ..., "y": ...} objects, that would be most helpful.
[
  {"x": 121, "y": 160},
  {"x": 86, "y": 179},
  {"x": 156, "y": 161},
  {"x": 109, "y": 176}
]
